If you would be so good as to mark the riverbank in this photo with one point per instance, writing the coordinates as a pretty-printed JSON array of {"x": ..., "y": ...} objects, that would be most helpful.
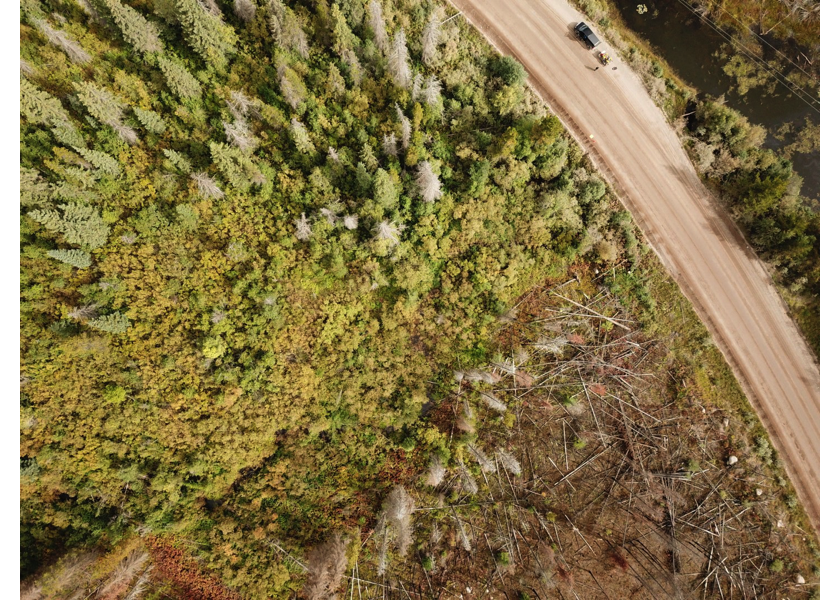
[
  {"x": 750, "y": 71},
  {"x": 757, "y": 185}
]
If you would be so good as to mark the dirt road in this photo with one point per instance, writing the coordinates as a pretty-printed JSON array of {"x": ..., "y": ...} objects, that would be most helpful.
[{"x": 627, "y": 136}]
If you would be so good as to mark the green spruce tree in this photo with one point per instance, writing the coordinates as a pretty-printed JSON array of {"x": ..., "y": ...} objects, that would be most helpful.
[
  {"x": 152, "y": 121},
  {"x": 206, "y": 33},
  {"x": 34, "y": 191},
  {"x": 178, "y": 160},
  {"x": 67, "y": 133},
  {"x": 76, "y": 258},
  {"x": 301, "y": 138},
  {"x": 38, "y": 107},
  {"x": 136, "y": 30},
  {"x": 102, "y": 161},
  {"x": 115, "y": 323},
  {"x": 100, "y": 103},
  {"x": 179, "y": 79},
  {"x": 79, "y": 223}
]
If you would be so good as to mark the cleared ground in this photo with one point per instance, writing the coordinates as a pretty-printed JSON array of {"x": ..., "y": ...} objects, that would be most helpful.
[{"x": 612, "y": 115}]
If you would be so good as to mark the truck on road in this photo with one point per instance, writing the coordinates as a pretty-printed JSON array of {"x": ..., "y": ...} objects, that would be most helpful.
[{"x": 586, "y": 34}]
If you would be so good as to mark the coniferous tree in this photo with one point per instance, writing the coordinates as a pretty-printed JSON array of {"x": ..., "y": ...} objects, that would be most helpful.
[
  {"x": 343, "y": 38},
  {"x": 240, "y": 135},
  {"x": 245, "y": 10},
  {"x": 76, "y": 258},
  {"x": 329, "y": 215},
  {"x": 384, "y": 193},
  {"x": 398, "y": 61},
  {"x": 126, "y": 133},
  {"x": 302, "y": 228},
  {"x": 74, "y": 51},
  {"x": 67, "y": 133},
  {"x": 276, "y": 13},
  {"x": 102, "y": 161},
  {"x": 389, "y": 233},
  {"x": 301, "y": 138},
  {"x": 335, "y": 82},
  {"x": 100, "y": 103},
  {"x": 152, "y": 121},
  {"x": 396, "y": 511},
  {"x": 179, "y": 79},
  {"x": 106, "y": 108},
  {"x": 468, "y": 483},
  {"x": 137, "y": 31},
  {"x": 114, "y": 323},
  {"x": 286, "y": 29},
  {"x": 178, "y": 160},
  {"x": 405, "y": 125},
  {"x": 493, "y": 402},
  {"x": 389, "y": 144},
  {"x": 241, "y": 105},
  {"x": 212, "y": 8},
  {"x": 487, "y": 465},
  {"x": 294, "y": 91},
  {"x": 166, "y": 10},
  {"x": 87, "y": 7},
  {"x": 351, "y": 222},
  {"x": 428, "y": 183},
  {"x": 431, "y": 91},
  {"x": 235, "y": 166},
  {"x": 431, "y": 34},
  {"x": 79, "y": 223},
  {"x": 34, "y": 191},
  {"x": 83, "y": 313},
  {"x": 326, "y": 565},
  {"x": 369, "y": 157},
  {"x": 417, "y": 87},
  {"x": 293, "y": 31},
  {"x": 207, "y": 186},
  {"x": 205, "y": 33},
  {"x": 377, "y": 24},
  {"x": 26, "y": 68},
  {"x": 353, "y": 65},
  {"x": 38, "y": 107},
  {"x": 509, "y": 462},
  {"x": 436, "y": 472}
]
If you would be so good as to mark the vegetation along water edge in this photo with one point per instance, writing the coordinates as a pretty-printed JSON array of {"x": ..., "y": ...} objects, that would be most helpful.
[{"x": 757, "y": 184}]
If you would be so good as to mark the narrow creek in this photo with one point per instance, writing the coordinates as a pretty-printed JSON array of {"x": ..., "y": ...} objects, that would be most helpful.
[{"x": 689, "y": 46}]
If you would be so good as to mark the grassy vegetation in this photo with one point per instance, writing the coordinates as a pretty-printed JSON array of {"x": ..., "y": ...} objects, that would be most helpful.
[{"x": 796, "y": 24}]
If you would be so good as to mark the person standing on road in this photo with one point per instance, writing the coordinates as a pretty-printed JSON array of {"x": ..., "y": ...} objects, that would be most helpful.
[{"x": 596, "y": 68}]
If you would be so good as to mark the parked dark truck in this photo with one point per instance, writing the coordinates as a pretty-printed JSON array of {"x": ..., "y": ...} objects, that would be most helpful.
[{"x": 584, "y": 33}]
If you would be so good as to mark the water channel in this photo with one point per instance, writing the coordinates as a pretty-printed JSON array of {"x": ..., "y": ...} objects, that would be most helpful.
[{"x": 688, "y": 45}]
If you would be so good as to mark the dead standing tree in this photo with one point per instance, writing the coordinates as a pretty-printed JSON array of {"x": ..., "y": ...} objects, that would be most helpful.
[{"x": 626, "y": 486}]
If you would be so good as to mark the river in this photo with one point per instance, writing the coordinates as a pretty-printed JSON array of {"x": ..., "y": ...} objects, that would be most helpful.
[{"x": 689, "y": 46}]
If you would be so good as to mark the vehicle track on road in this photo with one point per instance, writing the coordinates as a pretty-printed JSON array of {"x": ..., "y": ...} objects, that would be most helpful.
[{"x": 702, "y": 249}]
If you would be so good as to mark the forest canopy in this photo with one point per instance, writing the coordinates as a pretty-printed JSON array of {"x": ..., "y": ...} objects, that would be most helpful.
[
  {"x": 271, "y": 254},
  {"x": 253, "y": 235}
]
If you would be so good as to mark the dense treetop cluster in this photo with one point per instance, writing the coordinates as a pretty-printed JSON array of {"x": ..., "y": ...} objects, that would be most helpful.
[{"x": 253, "y": 236}]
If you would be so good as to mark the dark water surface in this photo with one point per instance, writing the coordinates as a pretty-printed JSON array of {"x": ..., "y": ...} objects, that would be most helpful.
[{"x": 688, "y": 46}]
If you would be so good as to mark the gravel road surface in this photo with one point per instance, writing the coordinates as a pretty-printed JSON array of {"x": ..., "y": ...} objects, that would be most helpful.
[{"x": 628, "y": 138}]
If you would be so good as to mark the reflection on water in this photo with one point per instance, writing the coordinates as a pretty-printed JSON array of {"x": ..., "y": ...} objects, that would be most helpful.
[{"x": 689, "y": 47}]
